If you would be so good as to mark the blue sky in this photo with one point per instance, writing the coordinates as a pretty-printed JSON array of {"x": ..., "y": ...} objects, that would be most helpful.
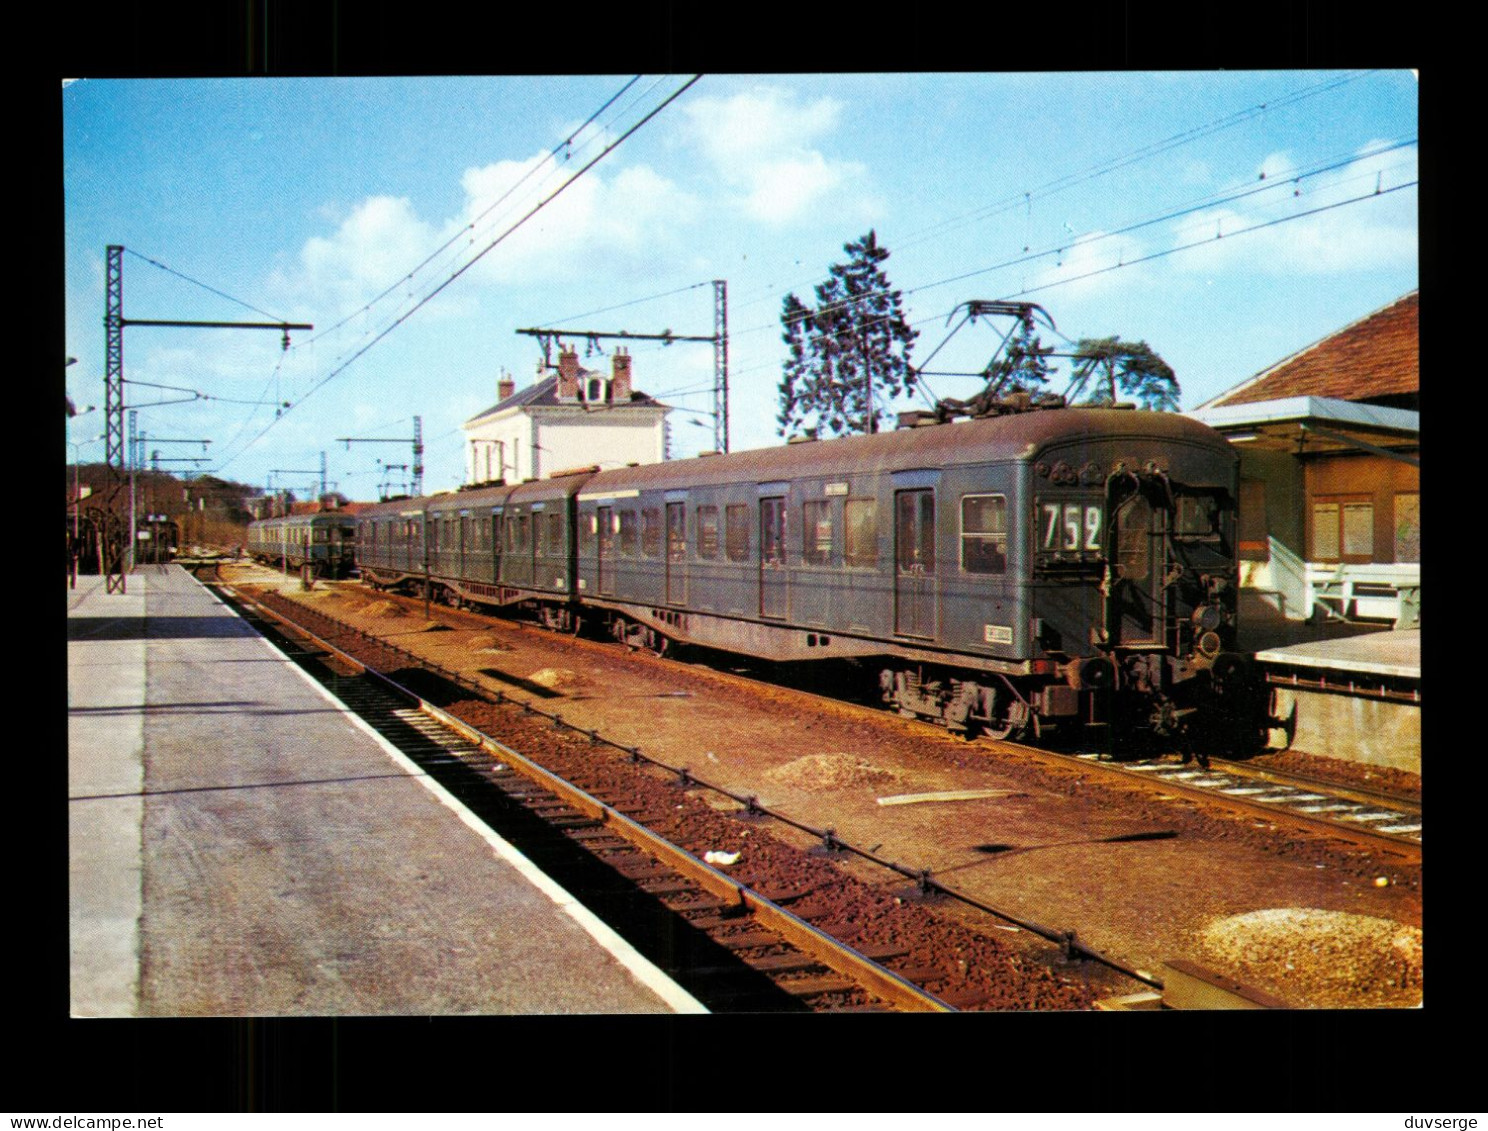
[{"x": 1226, "y": 218}]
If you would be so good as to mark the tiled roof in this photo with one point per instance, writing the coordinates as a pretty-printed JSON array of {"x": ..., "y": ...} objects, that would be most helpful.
[
  {"x": 1377, "y": 356},
  {"x": 544, "y": 394}
]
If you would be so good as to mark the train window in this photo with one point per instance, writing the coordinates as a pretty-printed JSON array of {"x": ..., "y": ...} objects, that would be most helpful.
[
  {"x": 651, "y": 533},
  {"x": 915, "y": 532},
  {"x": 522, "y": 542},
  {"x": 1134, "y": 537},
  {"x": 1198, "y": 516},
  {"x": 322, "y": 534},
  {"x": 736, "y": 532},
  {"x": 628, "y": 533},
  {"x": 816, "y": 536},
  {"x": 553, "y": 533},
  {"x": 860, "y": 532},
  {"x": 772, "y": 532},
  {"x": 676, "y": 533},
  {"x": 707, "y": 532},
  {"x": 984, "y": 533}
]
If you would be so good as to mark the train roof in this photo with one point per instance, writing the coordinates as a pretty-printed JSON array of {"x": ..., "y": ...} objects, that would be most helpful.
[
  {"x": 1019, "y": 436},
  {"x": 316, "y": 518},
  {"x": 987, "y": 440}
]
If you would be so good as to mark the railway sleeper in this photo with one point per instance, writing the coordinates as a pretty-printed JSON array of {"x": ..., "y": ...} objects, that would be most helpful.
[
  {"x": 818, "y": 985},
  {"x": 749, "y": 940}
]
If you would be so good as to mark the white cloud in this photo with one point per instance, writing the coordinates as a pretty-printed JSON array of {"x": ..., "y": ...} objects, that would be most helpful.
[
  {"x": 1322, "y": 224},
  {"x": 620, "y": 222},
  {"x": 1092, "y": 265},
  {"x": 763, "y": 145}
]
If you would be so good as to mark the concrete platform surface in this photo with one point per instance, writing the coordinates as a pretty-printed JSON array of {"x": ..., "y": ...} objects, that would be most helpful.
[
  {"x": 241, "y": 845},
  {"x": 1391, "y": 653}
]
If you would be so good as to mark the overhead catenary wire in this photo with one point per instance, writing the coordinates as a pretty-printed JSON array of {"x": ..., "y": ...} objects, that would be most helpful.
[
  {"x": 563, "y": 145},
  {"x": 335, "y": 372},
  {"x": 1213, "y": 200}
]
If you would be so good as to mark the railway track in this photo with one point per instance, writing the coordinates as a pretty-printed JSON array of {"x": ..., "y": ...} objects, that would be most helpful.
[
  {"x": 1272, "y": 831},
  {"x": 1381, "y": 822},
  {"x": 1371, "y": 820},
  {"x": 720, "y": 935}
]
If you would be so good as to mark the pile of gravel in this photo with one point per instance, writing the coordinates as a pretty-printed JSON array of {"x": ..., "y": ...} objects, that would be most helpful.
[
  {"x": 1318, "y": 959},
  {"x": 829, "y": 771}
]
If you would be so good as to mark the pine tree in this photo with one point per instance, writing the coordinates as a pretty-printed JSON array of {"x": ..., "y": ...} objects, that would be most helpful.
[
  {"x": 850, "y": 351},
  {"x": 1132, "y": 367},
  {"x": 1023, "y": 366}
]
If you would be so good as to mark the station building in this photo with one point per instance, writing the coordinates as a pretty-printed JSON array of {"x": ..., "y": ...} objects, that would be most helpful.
[
  {"x": 574, "y": 418},
  {"x": 1329, "y": 442}
]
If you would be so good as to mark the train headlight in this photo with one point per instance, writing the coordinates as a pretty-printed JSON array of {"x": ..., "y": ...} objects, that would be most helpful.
[{"x": 1206, "y": 618}]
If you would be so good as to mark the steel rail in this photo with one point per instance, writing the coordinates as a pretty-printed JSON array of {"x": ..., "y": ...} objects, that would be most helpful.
[
  {"x": 1275, "y": 814},
  {"x": 1066, "y": 939},
  {"x": 830, "y": 952}
]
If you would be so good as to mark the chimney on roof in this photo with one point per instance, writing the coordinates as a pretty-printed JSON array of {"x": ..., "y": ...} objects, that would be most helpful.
[
  {"x": 568, "y": 374},
  {"x": 620, "y": 377},
  {"x": 505, "y": 388}
]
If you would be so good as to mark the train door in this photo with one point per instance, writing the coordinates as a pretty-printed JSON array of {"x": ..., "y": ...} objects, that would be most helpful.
[
  {"x": 1137, "y": 612},
  {"x": 914, "y": 562},
  {"x": 773, "y": 575},
  {"x": 676, "y": 554},
  {"x": 606, "y": 550}
]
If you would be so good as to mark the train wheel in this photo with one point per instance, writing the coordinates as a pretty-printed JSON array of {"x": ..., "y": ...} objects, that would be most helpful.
[{"x": 1010, "y": 718}]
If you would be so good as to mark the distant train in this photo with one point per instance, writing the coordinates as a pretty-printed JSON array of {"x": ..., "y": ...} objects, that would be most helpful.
[
  {"x": 1005, "y": 575},
  {"x": 157, "y": 539},
  {"x": 325, "y": 540}
]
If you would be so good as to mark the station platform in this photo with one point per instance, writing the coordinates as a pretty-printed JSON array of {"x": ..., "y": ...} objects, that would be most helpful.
[
  {"x": 1357, "y": 698},
  {"x": 241, "y": 845},
  {"x": 1392, "y": 654}
]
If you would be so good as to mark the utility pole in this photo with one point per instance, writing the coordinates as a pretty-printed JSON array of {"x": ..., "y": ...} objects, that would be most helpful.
[
  {"x": 719, "y": 338},
  {"x": 114, "y": 322},
  {"x": 302, "y": 471},
  {"x": 418, "y": 450}
]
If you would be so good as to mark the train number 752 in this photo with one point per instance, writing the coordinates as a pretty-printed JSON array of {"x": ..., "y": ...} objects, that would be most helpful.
[{"x": 1072, "y": 526}]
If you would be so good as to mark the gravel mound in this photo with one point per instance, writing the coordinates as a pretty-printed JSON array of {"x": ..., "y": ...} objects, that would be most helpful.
[
  {"x": 829, "y": 771},
  {"x": 384, "y": 609},
  {"x": 1319, "y": 959},
  {"x": 553, "y": 678}
]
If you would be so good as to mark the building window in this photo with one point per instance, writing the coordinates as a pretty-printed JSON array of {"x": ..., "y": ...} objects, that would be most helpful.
[
  {"x": 816, "y": 532},
  {"x": 1408, "y": 527},
  {"x": 736, "y": 532},
  {"x": 1342, "y": 530},
  {"x": 984, "y": 533},
  {"x": 860, "y": 533},
  {"x": 707, "y": 532}
]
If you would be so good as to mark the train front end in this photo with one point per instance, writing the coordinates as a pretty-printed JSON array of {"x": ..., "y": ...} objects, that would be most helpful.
[{"x": 1134, "y": 583}]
